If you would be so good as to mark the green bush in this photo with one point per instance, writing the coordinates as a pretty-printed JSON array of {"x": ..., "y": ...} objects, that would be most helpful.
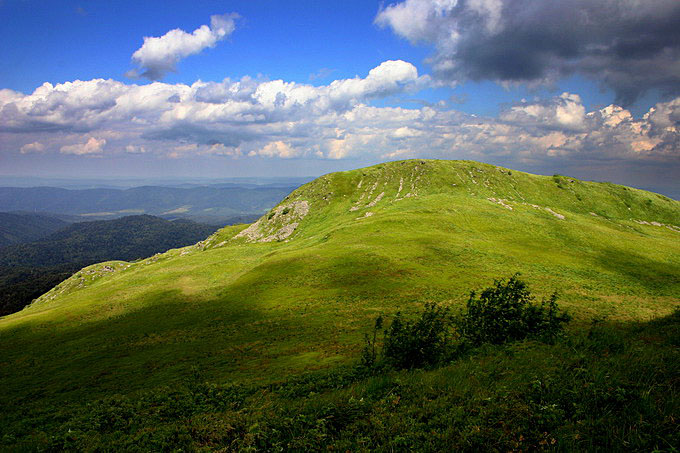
[
  {"x": 505, "y": 312},
  {"x": 369, "y": 355},
  {"x": 502, "y": 313},
  {"x": 426, "y": 341}
]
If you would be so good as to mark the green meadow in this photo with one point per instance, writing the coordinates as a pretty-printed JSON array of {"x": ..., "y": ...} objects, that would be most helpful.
[{"x": 250, "y": 339}]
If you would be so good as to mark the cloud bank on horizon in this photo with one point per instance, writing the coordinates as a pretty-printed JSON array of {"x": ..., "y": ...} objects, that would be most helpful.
[
  {"x": 274, "y": 118},
  {"x": 630, "y": 50}
]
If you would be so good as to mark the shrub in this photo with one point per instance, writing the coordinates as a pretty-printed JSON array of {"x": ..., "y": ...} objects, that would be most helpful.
[
  {"x": 423, "y": 342},
  {"x": 502, "y": 313},
  {"x": 369, "y": 355},
  {"x": 505, "y": 312}
]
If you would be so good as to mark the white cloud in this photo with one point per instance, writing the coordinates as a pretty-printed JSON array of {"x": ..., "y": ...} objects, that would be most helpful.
[
  {"x": 279, "y": 119},
  {"x": 160, "y": 55},
  {"x": 35, "y": 147},
  {"x": 135, "y": 149},
  {"x": 92, "y": 146},
  {"x": 564, "y": 112},
  {"x": 415, "y": 19},
  {"x": 405, "y": 132},
  {"x": 276, "y": 149}
]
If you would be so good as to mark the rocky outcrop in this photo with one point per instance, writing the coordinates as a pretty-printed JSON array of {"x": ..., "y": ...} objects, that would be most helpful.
[{"x": 278, "y": 225}]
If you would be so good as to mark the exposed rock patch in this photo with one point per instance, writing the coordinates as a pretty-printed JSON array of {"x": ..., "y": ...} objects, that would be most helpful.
[
  {"x": 376, "y": 201},
  {"x": 657, "y": 224},
  {"x": 278, "y": 225},
  {"x": 555, "y": 214},
  {"x": 501, "y": 202},
  {"x": 368, "y": 214},
  {"x": 413, "y": 192},
  {"x": 559, "y": 216}
]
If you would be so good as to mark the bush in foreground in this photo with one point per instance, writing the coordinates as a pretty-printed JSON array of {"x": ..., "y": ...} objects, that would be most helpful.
[
  {"x": 502, "y": 313},
  {"x": 506, "y": 312}
]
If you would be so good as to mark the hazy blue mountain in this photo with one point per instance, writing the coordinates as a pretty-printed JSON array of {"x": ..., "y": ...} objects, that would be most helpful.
[{"x": 217, "y": 204}]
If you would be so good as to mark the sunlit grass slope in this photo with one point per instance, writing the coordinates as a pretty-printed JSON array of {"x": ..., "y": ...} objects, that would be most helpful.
[{"x": 297, "y": 291}]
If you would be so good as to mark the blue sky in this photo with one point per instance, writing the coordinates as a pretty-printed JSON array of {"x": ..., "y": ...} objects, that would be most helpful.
[
  {"x": 473, "y": 79},
  {"x": 304, "y": 41}
]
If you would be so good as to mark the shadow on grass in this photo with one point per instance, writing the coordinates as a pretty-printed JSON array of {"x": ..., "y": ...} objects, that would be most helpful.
[
  {"x": 155, "y": 344},
  {"x": 659, "y": 277},
  {"x": 611, "y": 387}
]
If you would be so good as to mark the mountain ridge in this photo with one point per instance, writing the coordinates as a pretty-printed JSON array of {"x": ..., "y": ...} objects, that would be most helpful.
[
  {"x": 378, "y": 185},
  {"x": 18, "y": 227},
  {"x": 213, "y": 203}
]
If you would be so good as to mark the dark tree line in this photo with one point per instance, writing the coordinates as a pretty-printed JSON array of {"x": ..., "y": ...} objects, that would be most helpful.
[{"x": 31, "y": 269}]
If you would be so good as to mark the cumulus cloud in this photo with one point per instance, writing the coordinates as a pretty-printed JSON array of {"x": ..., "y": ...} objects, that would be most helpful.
[
  {"x": 276, "y": 149},
  {"x": 630, "y": 46},
  {"x": 92, "y": 146},
  {"x": 156, "y": 108},
  {"x": 563, "y": 112},
  {"x": 135, "y": 149},
  {"x": 35, "y": 147},
  {"x": 275, "y": 119},
  {"x": 160, "y": 55}
]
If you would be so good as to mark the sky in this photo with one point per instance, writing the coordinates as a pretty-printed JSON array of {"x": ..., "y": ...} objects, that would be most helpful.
[{"x": 214, "y": 89}]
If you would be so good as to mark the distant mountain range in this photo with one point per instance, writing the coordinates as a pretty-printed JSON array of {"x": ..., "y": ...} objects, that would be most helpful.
[{"x": 218, "y": 205}]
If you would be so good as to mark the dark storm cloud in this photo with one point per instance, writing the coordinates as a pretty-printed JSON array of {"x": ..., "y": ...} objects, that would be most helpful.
[{"x": 629, "y": 46}]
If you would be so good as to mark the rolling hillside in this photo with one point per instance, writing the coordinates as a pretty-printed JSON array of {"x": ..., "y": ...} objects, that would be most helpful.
[
  {"x": 296, "y": 291},
  {"x": 28, "y": 270},
  {"x": 17, "y": 227}
]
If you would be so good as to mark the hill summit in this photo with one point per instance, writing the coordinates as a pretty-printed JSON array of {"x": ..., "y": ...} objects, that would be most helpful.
[{"x": 359, "y": 194}]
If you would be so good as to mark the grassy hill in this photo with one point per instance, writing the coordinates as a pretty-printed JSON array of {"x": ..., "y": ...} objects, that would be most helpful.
[
  {"x": 30, "y": 269},
  {"x": 208, "y": 346}
]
